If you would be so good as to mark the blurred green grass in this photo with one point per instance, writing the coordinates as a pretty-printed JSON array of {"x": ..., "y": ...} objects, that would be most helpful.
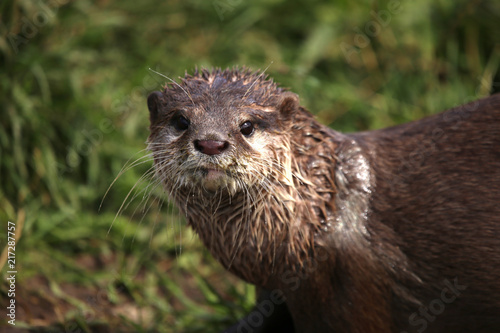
[{"x": 73, "y": 82}]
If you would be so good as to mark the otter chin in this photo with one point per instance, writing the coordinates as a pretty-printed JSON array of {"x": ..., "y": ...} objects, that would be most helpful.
[
  {"x": 215, "y": 179},
  {"x": 392, "y": 230}
]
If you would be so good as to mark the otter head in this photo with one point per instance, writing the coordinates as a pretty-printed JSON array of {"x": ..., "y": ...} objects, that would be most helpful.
[
  {"x": 215, "y": 131},
  {"x": 250, "y": 169}
]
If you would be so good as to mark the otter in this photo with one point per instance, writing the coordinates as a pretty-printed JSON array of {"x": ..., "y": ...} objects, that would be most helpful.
[{"x": 391, "y": 230}]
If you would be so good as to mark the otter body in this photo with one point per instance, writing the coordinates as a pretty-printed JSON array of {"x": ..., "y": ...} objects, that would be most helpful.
[{"x": 394, "y": 230}]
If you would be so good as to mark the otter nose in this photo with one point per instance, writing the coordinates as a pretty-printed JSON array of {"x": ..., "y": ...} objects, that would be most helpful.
[{"x": 211, "y": 147}]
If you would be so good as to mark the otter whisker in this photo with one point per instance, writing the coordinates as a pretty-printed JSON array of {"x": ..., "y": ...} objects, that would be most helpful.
[
  {"x": 258, "y": 78},
  {"x": 173, "y": 81},
  {"x": 126, "y": 201},
  {"x": 127, "y": 166}
]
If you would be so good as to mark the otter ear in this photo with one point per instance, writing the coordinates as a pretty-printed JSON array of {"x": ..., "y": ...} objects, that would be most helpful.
[
  {"x": 288, "y": 107},
  {"x": 154, "y": 104}
]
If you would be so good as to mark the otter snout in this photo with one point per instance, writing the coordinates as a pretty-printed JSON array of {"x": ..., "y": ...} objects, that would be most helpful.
[{"x": 211, "y": 147}]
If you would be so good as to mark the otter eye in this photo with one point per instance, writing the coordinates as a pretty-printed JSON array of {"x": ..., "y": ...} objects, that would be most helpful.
[
  {"x": 180, "y": 123},
  {"x": 247, "y": 128}
]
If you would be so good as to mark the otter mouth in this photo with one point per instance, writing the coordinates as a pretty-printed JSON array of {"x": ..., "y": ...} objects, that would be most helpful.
[{"x": 213, "y": 179}]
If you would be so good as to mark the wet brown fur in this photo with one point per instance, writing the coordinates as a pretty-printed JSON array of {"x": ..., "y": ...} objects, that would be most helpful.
[{"x": 358, "y": 232}]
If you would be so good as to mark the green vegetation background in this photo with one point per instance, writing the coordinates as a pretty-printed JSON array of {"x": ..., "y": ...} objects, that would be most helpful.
[{"x": 73, "y": 82}]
